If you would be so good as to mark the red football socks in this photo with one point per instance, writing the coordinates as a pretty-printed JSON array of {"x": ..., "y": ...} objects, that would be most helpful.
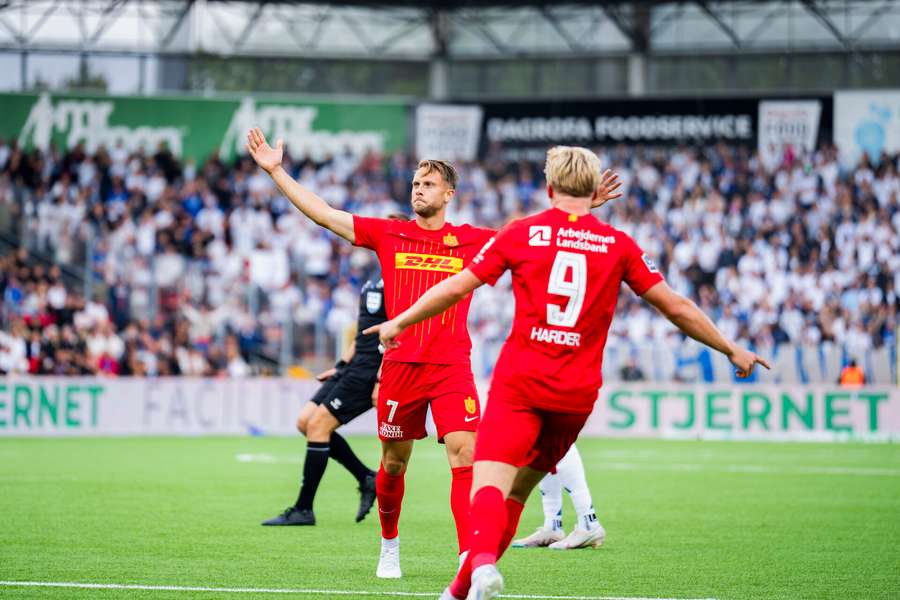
[
  {"x": 488, "y": 518},
  {"x": 460, "y": 489},
  {"x": 514, "y": 510},
  {"x": 463, "y": 581},
  {"x": 389, "y": 491}
]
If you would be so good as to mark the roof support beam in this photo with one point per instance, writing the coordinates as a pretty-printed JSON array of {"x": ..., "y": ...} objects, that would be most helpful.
[
  {"x": 717, "y": 18},
  {"x": 179, "y": 20},
  {"x": 248, "y": 26},
  {"x": 816, "y": 11},
  {"x": 565, "y": 35},
  {"x": 630, "y": 26},
  {"x": 766, "y": 20},
  {"x": 872, "y": 19},
  {"x": 113, "y": 9}
]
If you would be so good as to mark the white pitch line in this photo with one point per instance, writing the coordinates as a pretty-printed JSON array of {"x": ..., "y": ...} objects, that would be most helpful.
[
  {"x": 751, "y": 469},
  {"x": 225, "y": 590}
]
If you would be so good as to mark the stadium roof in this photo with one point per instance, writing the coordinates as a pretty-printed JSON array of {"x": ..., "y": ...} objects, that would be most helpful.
[{"x": 423, "y": 29}]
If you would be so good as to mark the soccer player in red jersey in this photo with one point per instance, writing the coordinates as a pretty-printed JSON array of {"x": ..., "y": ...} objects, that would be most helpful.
[
  {"x": 567, "y": 268},
  {"x": 433, "y": 366}
]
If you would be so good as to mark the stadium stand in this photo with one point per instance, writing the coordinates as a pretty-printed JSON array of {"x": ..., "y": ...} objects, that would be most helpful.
[{"x": 194, "y": 269}]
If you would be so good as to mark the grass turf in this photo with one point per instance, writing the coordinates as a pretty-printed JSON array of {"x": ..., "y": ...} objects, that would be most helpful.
[{"x": 684, "y": 520}]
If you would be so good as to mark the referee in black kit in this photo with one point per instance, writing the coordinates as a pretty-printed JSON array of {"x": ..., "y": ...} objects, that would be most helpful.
[{"x": 347, "y": 392}]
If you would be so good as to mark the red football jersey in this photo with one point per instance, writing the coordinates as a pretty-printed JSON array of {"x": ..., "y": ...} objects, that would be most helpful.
[
  {"x": 567, "y": 271},
  {"x": 413, "y": 260}
]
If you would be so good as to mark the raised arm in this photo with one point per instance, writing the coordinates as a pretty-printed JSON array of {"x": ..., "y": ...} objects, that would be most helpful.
[
  {"x": 607, "y": 190},
  {"x": 433, "y": 302},
  {"x": 691, "y": 320},
  {"x": 269, "y": 159}
]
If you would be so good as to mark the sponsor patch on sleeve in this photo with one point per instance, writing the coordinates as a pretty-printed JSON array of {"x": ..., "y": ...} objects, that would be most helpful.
[{"x": 651, "y": 266}]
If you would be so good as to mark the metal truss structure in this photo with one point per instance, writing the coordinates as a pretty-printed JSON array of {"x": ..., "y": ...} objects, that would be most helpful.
[{"x": 423, "y": 30}]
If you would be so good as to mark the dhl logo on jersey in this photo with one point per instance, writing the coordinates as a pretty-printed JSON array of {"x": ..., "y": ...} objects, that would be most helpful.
[{"x": 428, "y": 262}]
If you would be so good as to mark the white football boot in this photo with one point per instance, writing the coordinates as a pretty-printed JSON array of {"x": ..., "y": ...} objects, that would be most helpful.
[
  {"x": 581, "y": 538},
  {"x": 487, "y": 583},
  {"x": 446, "y": 595},
  {"x": 544, "y": 536},
  {"x": 389, "y": 561}
]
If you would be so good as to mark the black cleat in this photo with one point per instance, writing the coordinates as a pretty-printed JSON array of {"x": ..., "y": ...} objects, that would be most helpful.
[
  {"x": 366, "y": 496},
  {"x": 293, "y": 516}
]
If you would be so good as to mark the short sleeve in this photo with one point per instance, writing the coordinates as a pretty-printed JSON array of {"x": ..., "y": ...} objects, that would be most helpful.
[
  {"x": 641, "y": 273},
  {"x": 491, "y": 262},
  {"x": 369, "y": 232},
  {"x": 484, "y": 234}
]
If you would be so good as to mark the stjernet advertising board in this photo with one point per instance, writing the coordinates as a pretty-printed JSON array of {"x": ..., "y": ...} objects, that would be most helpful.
[
  {"x": 524, "y": 130},
  {"x": 49, "y": 406}
]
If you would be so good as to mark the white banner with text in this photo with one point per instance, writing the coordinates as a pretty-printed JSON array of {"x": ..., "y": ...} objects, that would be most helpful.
[{"x": 56, "y": 406}]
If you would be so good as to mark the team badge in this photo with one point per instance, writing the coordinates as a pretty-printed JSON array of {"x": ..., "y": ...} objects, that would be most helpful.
[
  {"x": 651, "y": 266},
  {"x": 373, "y": 302},
  {"x": 450, "y": 240},
  {"x": 470, "y": 405}
]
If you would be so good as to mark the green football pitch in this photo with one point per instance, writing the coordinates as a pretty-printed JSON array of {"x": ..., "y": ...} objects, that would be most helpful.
[{"x": 179, "y": 518}]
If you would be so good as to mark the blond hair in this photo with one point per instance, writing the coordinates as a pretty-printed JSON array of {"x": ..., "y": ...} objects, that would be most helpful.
[
  {"x": 572, "y": 170},
  {"x": 447, "y": 171}
]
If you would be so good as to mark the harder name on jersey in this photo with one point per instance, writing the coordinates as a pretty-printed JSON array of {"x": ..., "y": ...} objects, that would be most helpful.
[
  {"x": 555, "y": 336},
  {"x": 428, "y": 262}
]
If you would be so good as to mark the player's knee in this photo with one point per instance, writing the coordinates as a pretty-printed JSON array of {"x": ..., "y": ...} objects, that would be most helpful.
[
  {"x": 319, "y": 428},
  {"x": 461, "y": 452},
  {"x": 393, "y": 465},
  {"x": 302, "y": 424}
]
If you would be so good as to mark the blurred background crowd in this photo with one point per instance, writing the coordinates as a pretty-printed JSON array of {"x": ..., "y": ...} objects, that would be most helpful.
[{"x": 138, "y": 264}]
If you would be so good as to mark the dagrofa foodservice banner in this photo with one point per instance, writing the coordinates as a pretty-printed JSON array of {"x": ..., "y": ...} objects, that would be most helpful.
[{"x": 526, "y": 129}]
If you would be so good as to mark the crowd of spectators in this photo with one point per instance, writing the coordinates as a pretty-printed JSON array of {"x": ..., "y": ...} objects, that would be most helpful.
[{"x": 197, "y": 269}]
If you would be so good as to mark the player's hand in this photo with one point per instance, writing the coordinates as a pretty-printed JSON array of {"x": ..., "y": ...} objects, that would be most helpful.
[
  {"x": 375, "y": 394},
  {"x": 387, "y": 333},
  {"x": 326, "y": 375},
  {"x": 607, "y": 190},
  {"x": 267, "y": 157},
  {"x": 744, "y": 361}
]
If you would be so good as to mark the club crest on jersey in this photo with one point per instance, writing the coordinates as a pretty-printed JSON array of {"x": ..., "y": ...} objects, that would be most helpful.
[
  {"x": 428, "y": 262},
  {"x": 651, "y": 266},
  {"x": 539, "y": 235},
  {"x": 373, "y": 302},
  {"x": 470, "y": 405},
  {"x": 450, "y": 240}
]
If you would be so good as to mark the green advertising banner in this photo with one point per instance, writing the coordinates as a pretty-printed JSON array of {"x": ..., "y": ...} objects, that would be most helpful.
[{"x": 195, "y": 128}]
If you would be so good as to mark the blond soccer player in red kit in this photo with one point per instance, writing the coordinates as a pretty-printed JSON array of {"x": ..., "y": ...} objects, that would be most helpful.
[{"x": 567, "y": 268}]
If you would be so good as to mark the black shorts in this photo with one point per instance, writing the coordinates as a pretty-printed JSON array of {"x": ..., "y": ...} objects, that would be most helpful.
[{"x": 348, "y": 393}]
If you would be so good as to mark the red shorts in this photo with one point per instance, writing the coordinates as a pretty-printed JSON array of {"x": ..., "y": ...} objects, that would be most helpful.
[
  {"x": 406, "y": 391},
  {"x": 524, "y": 436}
]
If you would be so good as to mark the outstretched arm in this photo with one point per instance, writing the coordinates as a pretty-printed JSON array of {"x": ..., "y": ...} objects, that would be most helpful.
[
  {"x": 691, "y": 320},
  {"x": 433, "y": 302},
  {"x": 269, "y": 159}
]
